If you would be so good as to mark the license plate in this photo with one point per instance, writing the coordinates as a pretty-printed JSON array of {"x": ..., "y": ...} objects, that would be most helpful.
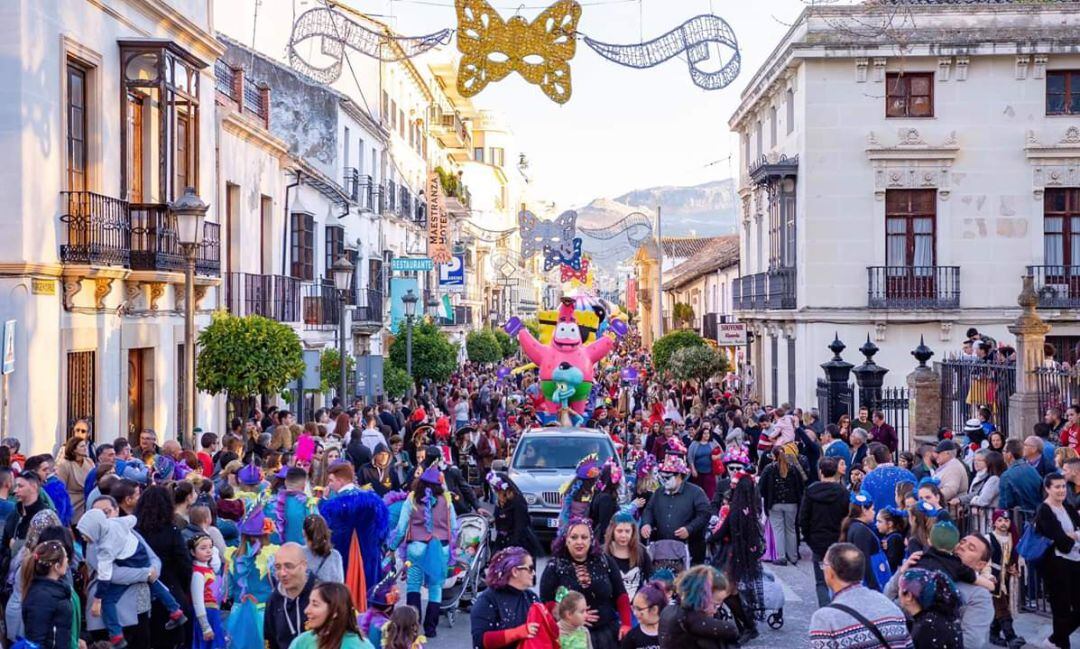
[{"x": 553, "y": 522}]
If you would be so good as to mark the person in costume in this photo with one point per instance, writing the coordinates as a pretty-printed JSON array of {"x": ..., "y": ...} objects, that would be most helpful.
[
  {"x": 605, "y": 502},
  {"x": 359, "y": 522},
  {"x": 381, "y": 604},
  {"x": 578, "y": 493},
  {"x": 378, "y": 474},
  {"x": 742, "y": 542},
  {"x": 512, "y": 525},
  {"x": 1003, "y": 562},
  {"x": 426, "y": 527},
  {"x": 331, "y": 621},
  {"x": 249, "y": 562},
  {"x": 291, "y": 506},
  {"x": 206, "y": 595},
  {"x": 504, "y": 613},
  {"x": 566, "y": 347}
]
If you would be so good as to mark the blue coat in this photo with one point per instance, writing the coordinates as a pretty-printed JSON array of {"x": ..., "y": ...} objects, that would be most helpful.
[{"x": 1021, "y": 486}]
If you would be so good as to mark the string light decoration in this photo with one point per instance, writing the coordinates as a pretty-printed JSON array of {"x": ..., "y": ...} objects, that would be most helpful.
[
  {"x": 539, "y": 51},
  {"x": 538, "y": 235},
  {"x": 637, "y": 226},
  {"x": 692, "y": 38},
  {"x": 568, "y": 273},
  {"x": 553, "y": 257},
  {"x": 336, "y": 32}
]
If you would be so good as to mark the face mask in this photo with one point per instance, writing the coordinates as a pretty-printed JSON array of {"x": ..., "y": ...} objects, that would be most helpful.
[{"x": 670, "y": 483}]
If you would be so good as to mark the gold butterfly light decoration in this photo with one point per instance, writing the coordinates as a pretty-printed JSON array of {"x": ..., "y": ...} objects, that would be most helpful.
[{"x": 539, "y": 51}]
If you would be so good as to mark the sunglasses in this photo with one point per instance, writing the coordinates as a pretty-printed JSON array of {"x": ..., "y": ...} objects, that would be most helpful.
[{"x": 529, "y": 568}]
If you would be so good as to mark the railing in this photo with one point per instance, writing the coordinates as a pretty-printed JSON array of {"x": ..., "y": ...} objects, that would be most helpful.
[
  {"x": 208, "y": 255},
  {"x": 271, "y": 296},
  {"x": 454, "y": 123},
  {"x": 404, "y": 207},
  {"x": 389, "y": 197},
  {"x": 359, "y": 188},
  {"x": 321, "y": 307},
  {"x": 225, "y": 78},
  {"x": 1028, "y": 583},
  {"x": 913, "y": 287},
  {"x": 253, "y": 99},
  {"x": 967, "y": 386},
  {"x": 895, "y": 404},
  {"x": 98, "y": 230},
  {"x": 154, "y": 244},
  {"x": 1057, "y": 387},
  {"x": 1058, "y": 287},
  {"x": 774, "y": 289},
  {"x": 369, "y": 305}
]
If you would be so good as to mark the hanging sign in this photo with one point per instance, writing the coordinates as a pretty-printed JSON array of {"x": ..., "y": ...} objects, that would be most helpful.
[
  {"x": 406, "y": 264},
  {"x": 437, "y": 221},
  {"x": 452, "y": 275},
  {"x": 731, "y": 333}
]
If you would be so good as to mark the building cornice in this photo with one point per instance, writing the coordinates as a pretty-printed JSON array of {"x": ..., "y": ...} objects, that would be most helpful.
[
  {"x": 200, "y": 41},
  {"x": 251, "y": 131}
]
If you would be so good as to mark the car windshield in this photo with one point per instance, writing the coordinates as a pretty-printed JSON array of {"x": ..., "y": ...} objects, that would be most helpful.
[{"x": 558, "y": 452}]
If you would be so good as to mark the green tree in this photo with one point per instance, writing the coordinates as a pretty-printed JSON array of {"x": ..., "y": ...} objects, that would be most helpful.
[
  {"x": 396, "y": 381},
  {"x": 683, "y": 313},
  {"x": 247, "y": 356},
  {"x": 483, "y": 347},
  {"x": 434, "y": 356},
  {"x": 330, "y": 368},
  {"x": 666, "y": 346},
  {"x": 508, "y": 345},
  {"x": 533, "y": 325},
  {"x": 697, "y": 363}
]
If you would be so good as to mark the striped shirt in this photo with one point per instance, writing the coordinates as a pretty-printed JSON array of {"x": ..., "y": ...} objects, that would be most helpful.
[{"x": 832, "y": 628}]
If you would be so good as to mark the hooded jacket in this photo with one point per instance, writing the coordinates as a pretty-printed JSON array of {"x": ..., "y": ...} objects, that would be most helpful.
[
  {"x": 284, "y": 618},
  {"x": 824, "y": 507},
  {"x": 115, "y": 538}
]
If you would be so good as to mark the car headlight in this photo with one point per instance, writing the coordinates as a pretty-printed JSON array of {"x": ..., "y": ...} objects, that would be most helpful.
[{"x": 531, "y": 499}]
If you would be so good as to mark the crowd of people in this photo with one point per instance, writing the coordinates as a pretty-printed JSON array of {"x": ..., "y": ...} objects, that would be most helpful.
[{"x": 343, "y": 531}]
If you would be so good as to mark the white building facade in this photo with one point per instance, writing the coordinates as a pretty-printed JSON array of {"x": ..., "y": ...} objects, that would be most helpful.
[{"x": 901, "y": 191}]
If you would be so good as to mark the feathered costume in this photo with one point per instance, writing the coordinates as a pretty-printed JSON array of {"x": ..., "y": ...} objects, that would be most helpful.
[
  {"x": 359, "y": 522},
  {"x": 249, "y": 572},
  {"x": 290, "y": 510}
]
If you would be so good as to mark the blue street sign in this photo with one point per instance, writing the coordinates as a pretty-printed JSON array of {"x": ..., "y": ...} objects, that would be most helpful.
[{"x": 422, "y": 264}]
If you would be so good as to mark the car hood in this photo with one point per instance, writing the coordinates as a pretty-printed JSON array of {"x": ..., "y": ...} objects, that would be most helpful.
[{"x": 536, "y": 481}]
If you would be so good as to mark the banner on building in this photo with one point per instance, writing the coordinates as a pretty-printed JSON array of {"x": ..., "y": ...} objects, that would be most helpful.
[
  {"x": 452, "y": 275},
  {"x": 438, "y": 226},
  {"x": 369, "y": 377},
  {"x": 399, "y": 286},
  {"x": 731, "y": 333}
]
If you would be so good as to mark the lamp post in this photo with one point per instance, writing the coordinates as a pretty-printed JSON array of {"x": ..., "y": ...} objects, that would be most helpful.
[
  {"x": 409, "y": 299},
  {"x": 343, "y": 273},
  {"x": 432, "y": 308},
  {"x": 189, "y": 211}
]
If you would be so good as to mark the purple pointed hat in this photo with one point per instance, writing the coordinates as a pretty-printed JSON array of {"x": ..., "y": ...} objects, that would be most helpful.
[
  {"x": 254, "y": 522},
  {"x": 432, "y": 474},
  {"x": 250, "y": 474}
]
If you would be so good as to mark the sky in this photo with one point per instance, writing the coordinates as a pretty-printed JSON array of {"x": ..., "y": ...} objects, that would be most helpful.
[{"x": 622, "y": 128}]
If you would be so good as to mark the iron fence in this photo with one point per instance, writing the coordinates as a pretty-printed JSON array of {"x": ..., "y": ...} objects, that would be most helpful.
[
  {"x": 208, "y": 254},
  {"x": 321, "y": 307},
  {"x": 894, "y": 404},
  {"x": 154, "y": 241},
  {"x": 1057, "y": 387},
  {"x": 830, "y": 409},
  {"x": 369, "y": 305},
  {"x": 1058, "y": 287},
  {"x": 913, "y": 287},
  {"x": 97, "y": 230},
  {"x": 272, "y": 296},
  {"x": 967, "y": 386}
]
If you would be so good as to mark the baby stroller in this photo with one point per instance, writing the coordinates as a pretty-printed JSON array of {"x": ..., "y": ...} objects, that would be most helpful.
[
  {"x": 773, "y": 600},
  {"x": 465, "y": 579},
  {"x": 671, "y": 554}
]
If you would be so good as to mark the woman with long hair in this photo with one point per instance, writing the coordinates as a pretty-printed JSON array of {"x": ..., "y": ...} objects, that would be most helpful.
[
  {"x": 1058, "y": 521},
  {"x": 156, "y": 524},
  {"x": 41, "y": 521},
  {"x": 402, "y": 630},
  {"x": 425, "y": 527},
  {"x": 577, "y": 563},
  {"x": 622, "y": 543},
  {"x": 48, "y": 622},
  {"x": 930, "y": 598},
  {"x": 331, "y": 620},
  {"x": 984, "y": 487},
  {"x": 605, "y": 500},
  {"x": 323, "y": 560},
  {"x": 72, "y": 469},
  {"x": 782, "y": 486},
  {"x": 742, "y": 542},
  {"x": 858, "y": 530}
]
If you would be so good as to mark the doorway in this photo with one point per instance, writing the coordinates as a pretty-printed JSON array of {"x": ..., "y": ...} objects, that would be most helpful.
[{"x": 140, "y": 391}]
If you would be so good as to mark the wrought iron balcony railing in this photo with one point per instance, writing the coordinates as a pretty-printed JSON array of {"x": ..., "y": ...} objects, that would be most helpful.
[
  {"x": 97, "y": 230},
  {"x": 913, "y": 287}
]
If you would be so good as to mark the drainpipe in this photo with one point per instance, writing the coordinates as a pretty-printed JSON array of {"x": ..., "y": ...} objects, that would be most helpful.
[{"x": 285, "y": 239}]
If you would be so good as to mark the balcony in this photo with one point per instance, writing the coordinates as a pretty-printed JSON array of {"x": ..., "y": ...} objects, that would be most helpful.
[
  {"x": 462, "y": 317},
  {"x": 913, "y": 287},
  {"x": 320, "y": 305},
  {"x": 360, "y": 189},
  {"x": 368, "y": 313},
  {"x": 1058, "y": 287},
  {"x": 771, "y": 290},
  {"x": 452, "y": 132},
  {"x": 97, "y": 230},
  {"x": 271, "y": 296},
  {"x": 155, "y": 246},
  {"x": 250, "y": 98},
  {"x": 404, "y": 206},
  {"x": 208, "y": 256}
]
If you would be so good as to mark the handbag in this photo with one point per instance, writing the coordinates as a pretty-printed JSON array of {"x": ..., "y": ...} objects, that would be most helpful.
[{"x": 1032, "y": 546}]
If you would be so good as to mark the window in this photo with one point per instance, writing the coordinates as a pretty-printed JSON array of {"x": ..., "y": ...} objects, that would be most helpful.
[
  {"x": 760, "y": 148},
  {"x": 497, "y": 156},
  {"x": 1061, "y": 227},
  {"x": 335, "y": 246},
  {"x": 303, "y": 246},
  {"x": 385, "y": 106},
  {"x": 80, "y": 387},
  {"x": 266, "y": 224},
  {"x": 393, "y": 115},
  {"x": 909, "y": 227},
  {"x": 910, "y": 94},
  {"x": 782, "y": 224},
  {"x": 76, "y": 127},
  {"x": 183, "y": 154},
  {"x": 345, "y": 143},
  {"x": 412, "y": 135},
  {"x": 401, "y": 123},
  {"x": 790, "y": 117},
  {"x": 1063, "y": 92},
  {"x": 360, "y": 156},
  {"x": 478, "y": 154},
  {"x": 135, "y": 157},
  {"x": 772, "y": 126}
]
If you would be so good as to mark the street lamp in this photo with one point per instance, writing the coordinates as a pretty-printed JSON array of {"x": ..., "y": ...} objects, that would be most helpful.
[
  {"x": 409, "y": 299},
  {"x": 432, "y": 308},
  {"x": 189, "y": 211},
  {"x": 343, "y": 273}
]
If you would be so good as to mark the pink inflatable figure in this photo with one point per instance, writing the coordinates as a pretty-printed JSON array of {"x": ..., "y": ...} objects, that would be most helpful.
[{"x": 565, "y": 347}]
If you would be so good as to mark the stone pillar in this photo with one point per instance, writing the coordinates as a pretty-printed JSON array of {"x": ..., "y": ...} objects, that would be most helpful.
[
  {"x": 1030, "y": 332},
  {"x": 870, "y": 377},
  {"x": 924, "y": 400}
]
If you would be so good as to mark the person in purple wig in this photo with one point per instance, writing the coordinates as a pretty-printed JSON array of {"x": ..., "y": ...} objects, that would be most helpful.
[{"x": 499, "y": 614}]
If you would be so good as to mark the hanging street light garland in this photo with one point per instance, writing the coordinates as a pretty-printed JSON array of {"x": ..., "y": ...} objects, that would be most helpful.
[{"x": 492, "y": 47}]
